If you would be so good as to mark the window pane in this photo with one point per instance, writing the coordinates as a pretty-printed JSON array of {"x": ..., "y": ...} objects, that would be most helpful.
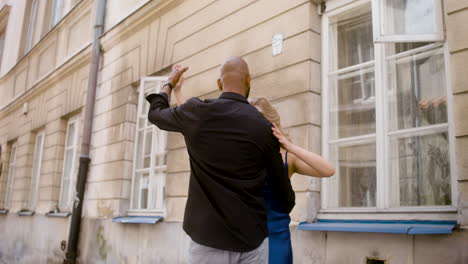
[
  {"x": 355, "y": 41},
  {"x": 147, "y": 161},
  {"x": 64, "y": 200},
  {"x": 420, "y": 167},
  {"x": 352, "y": 102},
  {"x": 13, "y": 155},
  {"x": 2, "y": 44},
  {"x": 405, "y": 46},
  {"x": 417, "y": 90},
  {"x": 31, "y": 24},
  {"x": 408, "y": 17},
  {"x": 148, "y": 141},
  {"x": 37, "y": 155},
  {"x": 11, "y": 176},
  {"x": 141, "y": 121},
  {"x": 66, "y": 176},
  {"x": 145, "y": 109},
  {"x": 144, "y": 186},
  {"x": 153, "y": 192},
  {"x": 139, "y": 152},
  {"x": 148, "y": 148},
  {"x": 140, "y": 191},
  {"x": 357, "y": 174},
  {"x": 67, "y": 164},
  {"x": 36, "y": 169},
  {"x": 56, "y": 12},
  {"x": 136, "y": 191},
  {"x": 158, "y": 190},
  {"x": 70, "y": 135},
  {"x": 144, "y": 198}
]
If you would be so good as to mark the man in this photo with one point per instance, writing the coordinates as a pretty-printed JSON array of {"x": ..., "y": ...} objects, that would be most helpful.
[{"x": 232, "y": 150}]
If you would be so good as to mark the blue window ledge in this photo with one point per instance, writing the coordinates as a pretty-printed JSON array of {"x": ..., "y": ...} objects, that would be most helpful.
[
  {"x": 381, "y": 226},
  {"x": 137, "y": 219}
]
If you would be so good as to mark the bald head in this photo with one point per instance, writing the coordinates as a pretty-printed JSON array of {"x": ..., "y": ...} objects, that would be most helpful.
[{"x": 234, "y": 76}]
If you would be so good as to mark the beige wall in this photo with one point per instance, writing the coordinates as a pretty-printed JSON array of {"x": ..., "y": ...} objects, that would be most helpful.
[
  {"x": 457, "y": 28},
  {"x": 18, "y": 75}
]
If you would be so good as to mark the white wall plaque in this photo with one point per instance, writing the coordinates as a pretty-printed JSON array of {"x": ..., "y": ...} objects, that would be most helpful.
[{"x": 277, "y": 44}]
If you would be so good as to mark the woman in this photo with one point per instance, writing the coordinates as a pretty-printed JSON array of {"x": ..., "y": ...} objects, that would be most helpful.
[{"x": 297, "y": 160}]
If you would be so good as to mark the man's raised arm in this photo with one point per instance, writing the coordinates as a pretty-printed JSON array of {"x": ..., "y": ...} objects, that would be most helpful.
[{"x": 163, "y": 116}]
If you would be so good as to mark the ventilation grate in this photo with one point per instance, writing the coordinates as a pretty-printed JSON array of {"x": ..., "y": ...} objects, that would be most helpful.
[{"x": 374, "y": 261}]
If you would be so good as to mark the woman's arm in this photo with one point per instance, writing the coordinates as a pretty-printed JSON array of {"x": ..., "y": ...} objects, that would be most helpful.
[{"x": 306, "y": 163}]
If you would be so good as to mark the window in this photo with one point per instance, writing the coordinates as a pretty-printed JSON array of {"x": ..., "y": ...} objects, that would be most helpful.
[
  {"x": 408, "y": 20},
  {"x": 11, "y": 176},
  {"x": 30, "y": 24},
  {"x": 36, "y": 169},
  {"x": 150, "y": 158},
  {"x": 52, "y": 15},
  {"x": 385, "y": 116},
  {"x": 56, "y": 12},
  {"x": 4, "y": 16},
  {"x": 2, "y": 45},
  {"x": 69, "y": 164}
]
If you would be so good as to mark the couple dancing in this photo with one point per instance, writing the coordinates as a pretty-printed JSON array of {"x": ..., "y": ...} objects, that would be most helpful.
[{"x": 240, "y": 193}]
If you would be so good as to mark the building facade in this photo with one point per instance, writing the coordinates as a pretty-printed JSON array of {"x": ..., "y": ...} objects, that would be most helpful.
[{"x": 378, "y": 88}]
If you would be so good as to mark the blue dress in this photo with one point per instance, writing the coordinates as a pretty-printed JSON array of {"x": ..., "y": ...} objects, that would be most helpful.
[{"x": 279, "y": 237}]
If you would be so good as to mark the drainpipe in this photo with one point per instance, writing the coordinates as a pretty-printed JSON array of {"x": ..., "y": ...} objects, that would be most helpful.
[{"x": 74, "y": 232}]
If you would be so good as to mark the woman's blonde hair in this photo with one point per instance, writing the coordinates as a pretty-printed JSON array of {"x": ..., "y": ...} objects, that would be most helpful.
[{"x": 268, "y": 111}]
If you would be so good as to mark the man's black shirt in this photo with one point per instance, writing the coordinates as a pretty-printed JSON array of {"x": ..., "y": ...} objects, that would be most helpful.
[{"x": 232, "y": 151}]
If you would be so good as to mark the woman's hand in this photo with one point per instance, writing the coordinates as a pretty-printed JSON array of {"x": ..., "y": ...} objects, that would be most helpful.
[
  {"x": 285, "y": 143},
  {"x": 303, "y": 161}
]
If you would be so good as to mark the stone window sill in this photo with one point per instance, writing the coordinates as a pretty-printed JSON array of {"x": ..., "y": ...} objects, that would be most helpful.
[
  {"x": 58, "y": 214},
  {"x": 25, "y": 213}
]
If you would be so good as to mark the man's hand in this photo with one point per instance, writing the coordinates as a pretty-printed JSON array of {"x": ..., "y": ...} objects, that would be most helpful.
[
  {"x": 177, "y": 72},
  {"x": 178, "y": 91}
]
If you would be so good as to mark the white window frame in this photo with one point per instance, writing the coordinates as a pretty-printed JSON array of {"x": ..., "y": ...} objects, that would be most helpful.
[
  {"x": 71, "y": 176},
  {"x": 31, "y": 24},
  {"x": 382, "y": 210},
  {"x": 156, "y": 150},
  {"x": 36, "y": 169},
  {"x": 379, "y": 36},
  {"x": 11, "y": 175},
  {"x": 56, "y": 15}
]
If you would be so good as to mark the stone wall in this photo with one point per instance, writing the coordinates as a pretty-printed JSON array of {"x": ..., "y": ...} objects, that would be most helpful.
[{"x": 457, "y": 28}]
